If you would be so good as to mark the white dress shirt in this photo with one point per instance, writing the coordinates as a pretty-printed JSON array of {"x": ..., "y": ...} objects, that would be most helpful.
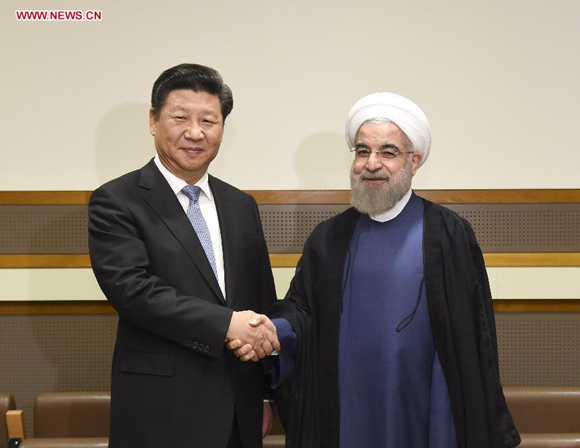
[{"x": 208, "y": 210}]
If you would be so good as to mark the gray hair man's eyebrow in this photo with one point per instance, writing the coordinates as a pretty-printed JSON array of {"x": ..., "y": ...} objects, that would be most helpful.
[{"x": 385, "y": 146}]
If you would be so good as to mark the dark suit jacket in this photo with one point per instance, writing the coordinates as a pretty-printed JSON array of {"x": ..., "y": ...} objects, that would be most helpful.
[{"x": 174, "y": 383}]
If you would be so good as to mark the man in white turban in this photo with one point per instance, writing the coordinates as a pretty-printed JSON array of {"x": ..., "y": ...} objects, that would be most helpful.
[{"x": 388, "y": 328}]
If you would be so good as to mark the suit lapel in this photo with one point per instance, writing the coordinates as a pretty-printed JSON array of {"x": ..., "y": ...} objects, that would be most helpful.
[
  {"x": 227, "y": 219},
  {"x": 158, "y": 194}
]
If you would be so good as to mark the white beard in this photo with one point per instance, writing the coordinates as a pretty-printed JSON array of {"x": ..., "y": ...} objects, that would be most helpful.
[{"x": 376, "y": 199}]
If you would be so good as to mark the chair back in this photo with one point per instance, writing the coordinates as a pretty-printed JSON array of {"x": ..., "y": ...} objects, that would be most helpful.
[
  {"x": 72, "y": 414},
  {"x": 544, "y": 409}
]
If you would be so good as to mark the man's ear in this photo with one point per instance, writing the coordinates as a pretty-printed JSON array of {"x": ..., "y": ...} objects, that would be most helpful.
[
  {"x": 417, "y": 157},
  {"x": 152, "y": 122}
]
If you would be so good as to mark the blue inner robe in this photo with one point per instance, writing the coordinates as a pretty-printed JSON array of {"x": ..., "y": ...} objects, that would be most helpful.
[{"x": 392, "y": 390}]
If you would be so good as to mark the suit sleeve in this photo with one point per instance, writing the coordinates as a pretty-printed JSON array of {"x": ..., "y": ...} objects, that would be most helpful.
[
  {"x": 121, "y": 264},
  {"x": 267, "y": 291}
]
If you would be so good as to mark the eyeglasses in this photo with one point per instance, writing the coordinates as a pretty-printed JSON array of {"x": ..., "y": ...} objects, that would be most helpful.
[{"x": 385, "y": 154}]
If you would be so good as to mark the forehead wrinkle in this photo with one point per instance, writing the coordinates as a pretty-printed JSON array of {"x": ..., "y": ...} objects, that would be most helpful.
[
  {"x": 401, "y": 147},
  {"x": 178, "y": 107},
  {"x": 202, "y": 109},
  {"x": 362, "y": 144}
]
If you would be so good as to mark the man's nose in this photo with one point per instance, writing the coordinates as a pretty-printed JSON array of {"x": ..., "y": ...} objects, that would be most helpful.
[
  {"x": 194, "y": 131},
  {"x": 374, "y": 162}
]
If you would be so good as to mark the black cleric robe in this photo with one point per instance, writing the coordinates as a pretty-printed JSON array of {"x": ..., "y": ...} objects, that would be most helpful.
[{"x": 462, "y": 321}]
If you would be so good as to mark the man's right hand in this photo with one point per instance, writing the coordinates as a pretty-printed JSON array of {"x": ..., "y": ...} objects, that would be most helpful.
[{"x": 253, "y": 331}]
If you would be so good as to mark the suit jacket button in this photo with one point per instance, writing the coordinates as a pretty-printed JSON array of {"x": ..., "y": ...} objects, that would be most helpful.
[
  {"x": 194, "y": 345},
  {"x": 188, "y": 343},
  {"x": 206, "y": 349},
  {"x": 201, "y": 347}
]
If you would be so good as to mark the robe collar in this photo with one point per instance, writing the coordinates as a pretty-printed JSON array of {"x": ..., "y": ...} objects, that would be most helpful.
[{"x": 393, "y": 212}]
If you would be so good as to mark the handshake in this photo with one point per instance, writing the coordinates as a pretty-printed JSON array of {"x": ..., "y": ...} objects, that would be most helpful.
[{"x": 251, "y": 336}]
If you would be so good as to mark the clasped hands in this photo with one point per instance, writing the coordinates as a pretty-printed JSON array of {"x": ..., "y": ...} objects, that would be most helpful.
[{"x": 251, "y": 336}]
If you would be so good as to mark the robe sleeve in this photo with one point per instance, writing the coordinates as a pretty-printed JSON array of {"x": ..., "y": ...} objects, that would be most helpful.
[
  {"x": 296, "y": 398},
  {"x": 485, "y": 291},
  {"x": 279, "y": 368},
  {"x": 295, "y": 307}
]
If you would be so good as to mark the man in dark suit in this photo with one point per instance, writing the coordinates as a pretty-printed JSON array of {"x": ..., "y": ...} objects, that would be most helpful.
[{"x": 180, "y": 254}]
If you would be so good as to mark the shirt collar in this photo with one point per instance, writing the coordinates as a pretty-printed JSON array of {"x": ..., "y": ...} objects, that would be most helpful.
[
  {"x": 177, "y": 184},
  {"x": 393, "y": 212}
]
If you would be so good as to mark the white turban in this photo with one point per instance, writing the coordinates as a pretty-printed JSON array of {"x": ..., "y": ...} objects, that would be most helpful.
[{"x": 396, "y": 108}]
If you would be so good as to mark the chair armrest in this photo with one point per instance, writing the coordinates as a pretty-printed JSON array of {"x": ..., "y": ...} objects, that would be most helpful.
[
  {"x": 531, "y": 440},
  {"x": 275, "y": 441},
  {"x": 72, "y": 442},
  {"x": 15, "y": 424}
]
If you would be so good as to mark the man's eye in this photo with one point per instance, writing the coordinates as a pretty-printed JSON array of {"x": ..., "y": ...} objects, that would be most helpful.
[
  {"x": 208, "y": 121},
  {"x": 179, "y": 118},
  {"x": 389, "y": 154},
  {"x": 362, "y": 152}
]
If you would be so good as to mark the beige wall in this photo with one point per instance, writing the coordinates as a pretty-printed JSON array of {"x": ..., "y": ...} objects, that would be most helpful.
[{"x": 499, "y": 81}]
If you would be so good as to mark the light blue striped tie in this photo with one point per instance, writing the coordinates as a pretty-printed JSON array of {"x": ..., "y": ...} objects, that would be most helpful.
[{"x": 199, "y": 224}]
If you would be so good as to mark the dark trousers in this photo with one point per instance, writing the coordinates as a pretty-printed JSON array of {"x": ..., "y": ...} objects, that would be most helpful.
[{"x": 235, "y": 439}]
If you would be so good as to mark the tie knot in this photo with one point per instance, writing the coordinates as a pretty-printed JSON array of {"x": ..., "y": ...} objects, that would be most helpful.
[{"x": 192, "y": 192}]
